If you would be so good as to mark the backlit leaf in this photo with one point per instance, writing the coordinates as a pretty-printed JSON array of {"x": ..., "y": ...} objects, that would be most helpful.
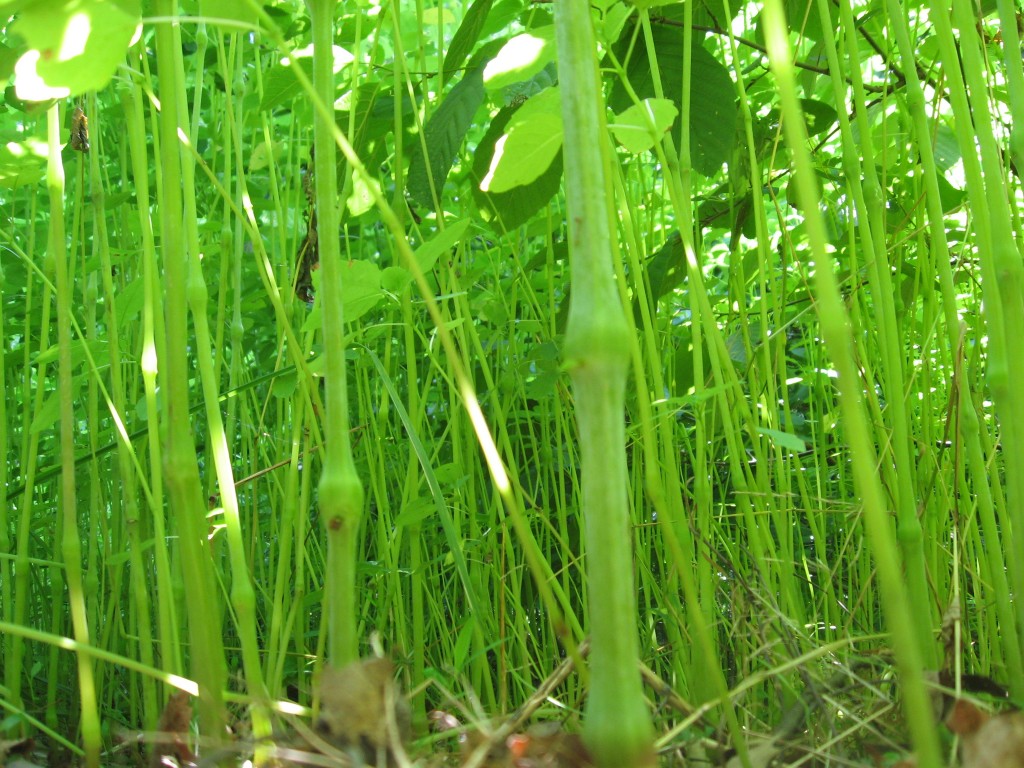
[{"x": 74, "y": 45}]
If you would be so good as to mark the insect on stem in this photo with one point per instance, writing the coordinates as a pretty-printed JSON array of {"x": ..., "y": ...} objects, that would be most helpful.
[{"x": 79, "y": 130}]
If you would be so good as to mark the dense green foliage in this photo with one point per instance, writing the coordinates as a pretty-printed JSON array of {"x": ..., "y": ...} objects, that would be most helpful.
[{"x": 214, "y": 440}]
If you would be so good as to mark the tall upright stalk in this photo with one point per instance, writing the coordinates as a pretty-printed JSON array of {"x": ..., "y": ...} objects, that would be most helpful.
[
  {"x": 838, "y": 336},
  {"x": 597, "y": 349},
  {"x": 182, "y": 470},
  {"x": 340, "y": 489},
  {"x": 71, "y": 545}
]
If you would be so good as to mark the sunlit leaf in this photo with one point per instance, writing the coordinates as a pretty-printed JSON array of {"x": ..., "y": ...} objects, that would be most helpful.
[
  {"x": 639, "y": 127},
  {"x": 74, "y": 45},
  {"x": 532, "y": 140},
  {"x": 521, "y": 58},
  {"x": 783, "y": 439}
]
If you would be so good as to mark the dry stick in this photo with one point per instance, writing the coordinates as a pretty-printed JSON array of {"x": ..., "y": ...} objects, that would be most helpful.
[{"x": 517, "y": 718}]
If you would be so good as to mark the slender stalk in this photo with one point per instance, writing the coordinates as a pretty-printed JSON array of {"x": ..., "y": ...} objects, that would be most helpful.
[
  {"x": 597, "y": 347},
  {"x": 71, "y": 545},
  {"x": 181, "y": 469},
  {"x": 836, "y": 331}
]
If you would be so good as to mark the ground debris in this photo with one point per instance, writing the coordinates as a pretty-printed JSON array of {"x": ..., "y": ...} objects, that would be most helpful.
[
  {"x": 988, "y": 741},
  {"x": 172, "y": 739},
  {"x": 362, "y": 713}
]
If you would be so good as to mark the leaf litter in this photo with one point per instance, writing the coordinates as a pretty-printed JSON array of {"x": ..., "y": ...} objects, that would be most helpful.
[{"x": 364, "y": 719}]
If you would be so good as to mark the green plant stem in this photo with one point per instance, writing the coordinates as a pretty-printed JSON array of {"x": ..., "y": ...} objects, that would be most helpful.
[
  {"x": 70, "y": 541},
  {"x": 340, "y": 489},
  {"x": 181, "y": 469},
  {"x": 597, "y": 346},
  {"x": 837, "y": 334}
]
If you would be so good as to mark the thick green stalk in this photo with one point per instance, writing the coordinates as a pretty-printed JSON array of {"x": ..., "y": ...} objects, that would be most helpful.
[
  {"x": 340, "y": 489},
  {"x": 181, "y": 468},
  {"x": 597, "y": 347},
  {"x": 71, "y": 546}
]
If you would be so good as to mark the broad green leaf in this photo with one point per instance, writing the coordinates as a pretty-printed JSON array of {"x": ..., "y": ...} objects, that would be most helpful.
[
  {"x": 466, "y": 36},
  {"x": 74, "y": 45},
  {"x": 511, "y": 209},
  {"x": 129, "y": 303},
  {"x": 8, "y": 58},
  {"x": 284, "y": 385},
  {"x": 947, "y": 148},
  {"x": 633, "y": 127},
  {"x": 415, "y": 512},
  {"x": 361, "y": 199},
  {"x": 360, "y": 288},
  {"x": 532, "y": 140},
  {"x": 713, "y": 109},
  {"x": 280, "y": 83},
  {"x": 443, "y": 135},
  {"x": 230, "y": 10},
  {"x": 395, "y": 279},
  {"x": 428, "y": 253},
  {"x": 524, "y": 153},
  {"x": 22, "y": 164},
  {"x": 47, "y": 415},
  {"x": 783, "y": 439},
  {"x": 520, "y": 58},
  {"x": 643, "y": 4},
  {"x": 818, "y": 115},
  {"x": 78, "y": 347},
  {"x": 610, "y": 27}
]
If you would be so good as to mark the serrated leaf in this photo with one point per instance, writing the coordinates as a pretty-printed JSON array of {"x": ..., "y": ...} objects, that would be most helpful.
[
  {"x": 443, "y": 135},
  {"x": 520, "y": 58},
  {"x": 639, "y": 127},
  {"x": 466, "y": 36},
  {"x": 74, "y": 45}
]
